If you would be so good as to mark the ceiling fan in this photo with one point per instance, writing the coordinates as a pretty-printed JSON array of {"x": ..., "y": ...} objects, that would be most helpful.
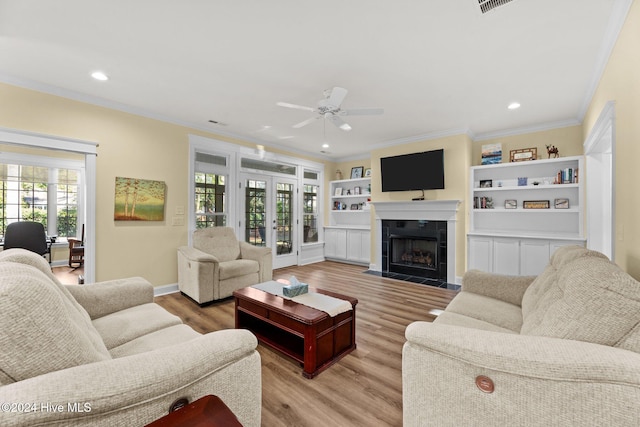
[{"x": 329, "y": 108}]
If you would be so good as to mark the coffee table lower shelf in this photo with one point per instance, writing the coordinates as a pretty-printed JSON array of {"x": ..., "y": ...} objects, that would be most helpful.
[{"x": 309, "y": 336}]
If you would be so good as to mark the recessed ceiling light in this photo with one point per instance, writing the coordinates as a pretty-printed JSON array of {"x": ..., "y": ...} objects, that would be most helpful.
[
  {"x": 514, "y": 106},
  {"x": 99, "y": 75},
  {"x": 325, "y": 145}
]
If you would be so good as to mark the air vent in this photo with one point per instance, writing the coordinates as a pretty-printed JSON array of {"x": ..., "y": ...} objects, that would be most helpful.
[{"x": 487, "y": 5}]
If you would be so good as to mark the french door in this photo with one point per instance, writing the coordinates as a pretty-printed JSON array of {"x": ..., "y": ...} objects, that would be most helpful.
[{"x": 269, "y": 218}]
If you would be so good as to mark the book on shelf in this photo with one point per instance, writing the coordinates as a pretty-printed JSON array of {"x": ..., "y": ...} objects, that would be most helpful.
[{"x": 567, "y": 176}]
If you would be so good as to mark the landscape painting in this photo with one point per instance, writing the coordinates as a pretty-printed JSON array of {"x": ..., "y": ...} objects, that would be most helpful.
[{"x": 139, "y": 200}]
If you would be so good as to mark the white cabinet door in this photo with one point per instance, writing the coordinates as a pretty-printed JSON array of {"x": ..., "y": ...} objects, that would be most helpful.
[
  {"x": 358, "y": 245},
  {"x": 480, "y": 253},
  {"x": 554, "y": 245},
  {"x": 534, "y": 256},
  {"x": 506, "y": 256},
  {"x": 335, "y": 243}
]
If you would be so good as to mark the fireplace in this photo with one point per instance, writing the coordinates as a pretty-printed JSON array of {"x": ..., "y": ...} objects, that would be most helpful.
[
  {"x": 425, "y": 231},
  {"x": 415, "y": 247}
]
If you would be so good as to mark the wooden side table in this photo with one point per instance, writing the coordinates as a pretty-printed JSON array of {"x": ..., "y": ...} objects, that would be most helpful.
[{"x": 208, "y": 411}]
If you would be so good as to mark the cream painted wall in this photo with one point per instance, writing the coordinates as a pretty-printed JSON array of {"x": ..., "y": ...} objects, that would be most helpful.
[
  {"x": 130, "y": 146},
  {"x": 620, "y": 83},
  {"x": 568, "y": 141}
]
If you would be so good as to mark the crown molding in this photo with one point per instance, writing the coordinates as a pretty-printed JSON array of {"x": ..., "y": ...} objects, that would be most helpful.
[
  {"x": 113, "y": 105},
  {"x": 527, "y": 129}
]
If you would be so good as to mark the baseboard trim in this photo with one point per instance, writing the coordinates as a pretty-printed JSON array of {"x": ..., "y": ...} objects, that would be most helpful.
[{"x": 165, "y": 290}]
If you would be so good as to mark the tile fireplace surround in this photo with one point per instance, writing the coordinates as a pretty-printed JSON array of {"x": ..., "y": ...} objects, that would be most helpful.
[{"x": 430, "y": 210}]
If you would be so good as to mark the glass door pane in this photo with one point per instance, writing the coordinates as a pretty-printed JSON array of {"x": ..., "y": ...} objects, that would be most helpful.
[
  {"x": 284, "y": 218},
  {"x": 255, "y": 212}
]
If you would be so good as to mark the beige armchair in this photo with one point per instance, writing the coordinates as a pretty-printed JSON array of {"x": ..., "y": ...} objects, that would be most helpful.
[{"x": 218, "y": 264}]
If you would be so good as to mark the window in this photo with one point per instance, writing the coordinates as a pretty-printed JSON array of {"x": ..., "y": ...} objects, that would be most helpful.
[
  {"x": 43, "y": 190},
  {"x": 210, "y": 200},
  {"x": 210, "y": 190}
]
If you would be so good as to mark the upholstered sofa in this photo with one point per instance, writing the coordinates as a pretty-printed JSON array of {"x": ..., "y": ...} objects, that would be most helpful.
[
  {"x": 560, "y": 349},
  {"x": 217, "y": 264},
  {"x": 106, "y": 355}
]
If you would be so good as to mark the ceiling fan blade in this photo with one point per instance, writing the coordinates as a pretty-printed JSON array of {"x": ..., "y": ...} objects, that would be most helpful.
[
  {"x": 362, "y": 111},
  {"x": 306, "y": 122},
  {"x": 341, "y": 124},
  {"x": 337, "y": 96},
  {"x": 295, "y": 106}
]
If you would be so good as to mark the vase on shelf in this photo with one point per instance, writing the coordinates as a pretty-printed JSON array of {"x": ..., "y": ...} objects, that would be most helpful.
[{"x": 338, "y": 175}]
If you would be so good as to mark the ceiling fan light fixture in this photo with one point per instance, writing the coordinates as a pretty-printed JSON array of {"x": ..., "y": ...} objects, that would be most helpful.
[
  {"x": 345, "y": 127},
  {"x": 325, "y": 145},
  {"x": 513, "y": 106}
]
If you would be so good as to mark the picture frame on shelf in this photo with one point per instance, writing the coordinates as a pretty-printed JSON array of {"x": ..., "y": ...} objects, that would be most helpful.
[
  {"x": 561, "y": 203},
  {"x": 355, "y": 207},
  {"x": 523, "y": 154},
  {"x": 510, "y": 204},
  {"x": 338, "y": 191},
  {"x": 491, "y": 154},
  {"x": 356, "y": 191},
  {"x": 535, "y": 204},
  {"x": 356, "y": 172},
  {"x": 367, "y": 172},
  {"x": 486, "y": 183}
]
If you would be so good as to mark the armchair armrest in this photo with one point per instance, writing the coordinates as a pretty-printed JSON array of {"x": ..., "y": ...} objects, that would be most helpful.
[
  {"x": 100, "y": 299},
  {"x": 138, "y": 389},
  {"x": 538, "y": 380},
  {"x": 256, "y": 253},
  {"x": 499, "y": 286},
  {"x": 193, "y": 254},
  {"x": 262, "y": 256}
]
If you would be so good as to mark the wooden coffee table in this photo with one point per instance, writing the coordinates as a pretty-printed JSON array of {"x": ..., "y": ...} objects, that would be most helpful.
[{"x": 307, "y": 335}]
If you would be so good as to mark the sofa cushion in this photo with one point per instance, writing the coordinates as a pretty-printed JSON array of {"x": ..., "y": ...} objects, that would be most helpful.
[
  {"x": 32, "y": 259},
  {"x": 487, "y": 309},
  {"x": 590, "y": 299},
  {"x": 457, "y": 319},
  {"x": 162, "y": 338},
  {"x": 126, "y": 325},
  {"x": 220, "y": 242},
  {"x": 42, "y": 330},
  {"x": 544, "y": 288},
  {"x": 237, "y": 267}
]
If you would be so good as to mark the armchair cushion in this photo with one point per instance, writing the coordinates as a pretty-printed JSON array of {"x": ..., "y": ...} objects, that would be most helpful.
[
  {"x": 220, "y": 242},
  {"x": 238, "y": 267}
]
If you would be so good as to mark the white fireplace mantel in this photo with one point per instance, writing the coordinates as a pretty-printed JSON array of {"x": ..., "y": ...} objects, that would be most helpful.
[{"x": 430, "y": 210}]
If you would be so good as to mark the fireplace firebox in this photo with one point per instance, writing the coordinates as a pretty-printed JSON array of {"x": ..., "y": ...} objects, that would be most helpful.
[{"x": 415, "y": 248}]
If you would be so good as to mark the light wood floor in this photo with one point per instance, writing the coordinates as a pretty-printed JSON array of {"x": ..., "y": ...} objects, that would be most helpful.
[
  {"x": 362, "y": 389},
  {"x": 67, "y": 275}
]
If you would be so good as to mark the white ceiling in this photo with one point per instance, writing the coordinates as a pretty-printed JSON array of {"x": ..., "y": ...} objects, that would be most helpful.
[{"x": 437, "y": 68}]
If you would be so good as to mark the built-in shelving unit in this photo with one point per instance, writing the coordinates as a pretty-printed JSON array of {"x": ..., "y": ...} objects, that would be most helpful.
[
  {"x": 348, "y": 235},
  {"x": 523, "y": 211},
  {"x": 350, "y": 201}
]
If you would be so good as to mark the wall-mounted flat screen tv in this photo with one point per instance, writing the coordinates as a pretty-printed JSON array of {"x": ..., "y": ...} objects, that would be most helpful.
[{"x": 416, "y": 171}]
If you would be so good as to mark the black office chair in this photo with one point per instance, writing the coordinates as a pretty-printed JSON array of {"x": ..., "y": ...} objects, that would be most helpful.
[{"x": 27, "y": 235}]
